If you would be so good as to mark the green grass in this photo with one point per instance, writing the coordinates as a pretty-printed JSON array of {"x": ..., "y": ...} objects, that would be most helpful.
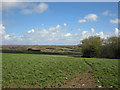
[
  {"x": 106, "y": 70},
  {"x": 19, "y": 70}
]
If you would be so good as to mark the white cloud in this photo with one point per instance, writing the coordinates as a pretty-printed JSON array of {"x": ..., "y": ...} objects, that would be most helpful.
[
  {"x": 41, "y": 7},
  {"x": 25, "y": 8},
  {"x": 7, "y": 36},
  {"x": 31, "y": 31},
  {"x": 65, "y": 24},
  {"x": 84, "y": 32},
  {"x": 3, "y": 34},
  {"x": 45, "y": 32},
  {"x": 117, "y": 31},
  {"x": 36, "y": 8},
  {"x": 92, "y": 30},
  {"x": 97, "y": 34},
  {"x": 42, "y": 24},
  {"x": 115, "y": 21},
  {"x": 68, "y": 34},
  {"x": 82, "y": 21},
  {"x": 58, "y": 26},
  {"x": 52, "y": 28},
  {"x": 2, "y": 29},
  {"x": 113, "y": 15},
  {"x": 50, "y": 39},
  {"x": 51, "y": 36},
  {"x": 100, "y": 34},
  {"x": 53, "y": 33},
  {"x": 105, "y": 13},
  {"x": 7, "y": 6},
  {"x": 91, "y": 17}
]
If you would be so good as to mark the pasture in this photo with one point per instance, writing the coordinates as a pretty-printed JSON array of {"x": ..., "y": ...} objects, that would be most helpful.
[
  {"x": 20, "y": 70},
  {"x": 106, "y": 70},
  {"x": 43, "y": 71},
  {"x": 44, "y": 49}
]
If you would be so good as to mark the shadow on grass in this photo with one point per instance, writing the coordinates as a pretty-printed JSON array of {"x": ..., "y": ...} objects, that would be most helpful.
[{"x": 70, "y": 54}]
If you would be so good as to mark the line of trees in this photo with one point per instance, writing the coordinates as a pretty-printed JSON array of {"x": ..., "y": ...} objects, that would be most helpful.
[{"x": 102, "y": 48}]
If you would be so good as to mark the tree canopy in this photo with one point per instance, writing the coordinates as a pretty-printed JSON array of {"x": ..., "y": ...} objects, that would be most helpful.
[{"x": 97, "y": 47}]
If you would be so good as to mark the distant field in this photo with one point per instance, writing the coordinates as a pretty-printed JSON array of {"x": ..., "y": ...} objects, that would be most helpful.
[
  {"x": 20, "y": 70},
  {"x": 44, "y": 49},
  {"x": 34, "y": 70}
]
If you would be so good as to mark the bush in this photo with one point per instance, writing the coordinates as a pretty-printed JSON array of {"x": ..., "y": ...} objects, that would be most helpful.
[{"x": 97, "y": 47}]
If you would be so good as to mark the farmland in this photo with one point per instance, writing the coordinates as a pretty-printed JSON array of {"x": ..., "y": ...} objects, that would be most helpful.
[
  {"x": 43, "y": 71},
  {"x": 40, "y": 70},
  {"x": 106, "y": 70},
  {"x": 44, "y": 49}
]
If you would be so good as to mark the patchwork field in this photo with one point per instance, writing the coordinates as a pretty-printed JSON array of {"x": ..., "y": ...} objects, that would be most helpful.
[
  {"x": 42, "y": 71},
  {"x": 43, "y": 49}
]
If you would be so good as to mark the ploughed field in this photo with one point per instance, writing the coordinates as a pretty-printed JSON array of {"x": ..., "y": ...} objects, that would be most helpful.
[{"x": 35, "y": 70}]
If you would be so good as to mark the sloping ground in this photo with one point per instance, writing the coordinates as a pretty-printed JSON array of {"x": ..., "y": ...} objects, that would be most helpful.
[
  {"x": 106, "y": 70},
  {"x": 85, "y": 80},
  {"x": 34, "y": 70},
  {"x": 53, "y": 71},
  {"x": 103, "y": 73}
]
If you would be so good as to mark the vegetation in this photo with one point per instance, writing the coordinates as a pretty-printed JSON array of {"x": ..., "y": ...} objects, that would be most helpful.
[
  {"x": 20, "y": 69},
  {"x": 97, "y": 47},
  {"x": 106, "y": 70},
  {"x": 111, "y": 48},
  {"x": 42, "y": 49},
  {"x": 91, "y": 46},
  {"x": 33, "y": 70}
]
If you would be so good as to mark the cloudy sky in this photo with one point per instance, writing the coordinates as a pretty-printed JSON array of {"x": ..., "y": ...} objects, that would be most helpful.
[{"x": 57, "y": 23}]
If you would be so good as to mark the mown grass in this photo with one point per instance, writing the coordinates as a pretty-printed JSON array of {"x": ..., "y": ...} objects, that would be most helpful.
[
  {"x": 19, "y": 70},
  {"x": 106, "y": 70}
]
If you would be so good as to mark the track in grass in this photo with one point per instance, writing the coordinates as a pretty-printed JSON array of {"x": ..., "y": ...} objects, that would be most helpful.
[
  {"x": 84, "y": 80},
  {"x": 106, "y": 70},
  {"x": 34, "y": 70}
]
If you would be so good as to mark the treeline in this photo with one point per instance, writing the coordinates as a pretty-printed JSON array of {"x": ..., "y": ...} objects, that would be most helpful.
[{"x": 101, "y": 48}]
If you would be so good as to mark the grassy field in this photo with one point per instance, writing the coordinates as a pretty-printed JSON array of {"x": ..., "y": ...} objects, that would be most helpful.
[
  {"x": 106, "y": 70},
  {"x": 20, "y": 70},
  {"x": 34, "y": 70}
]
